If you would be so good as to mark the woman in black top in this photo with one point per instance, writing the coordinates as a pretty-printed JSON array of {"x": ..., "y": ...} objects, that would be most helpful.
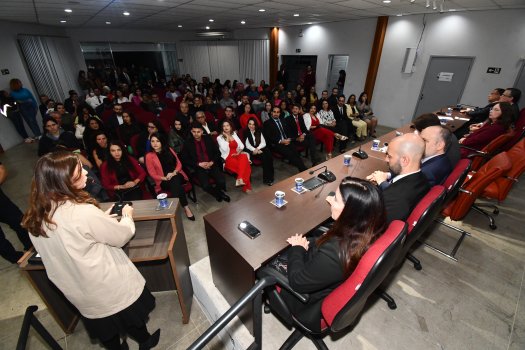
[
  {"x": 128, "y": 128},
  {"x": 318, "y": 266},
  {"x": 100, "y": 151},
  {"x": 93, "y": 126},
  {"x": 255, "y": 145}
]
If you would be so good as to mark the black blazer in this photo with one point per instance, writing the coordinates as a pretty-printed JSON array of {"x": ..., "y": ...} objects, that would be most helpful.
[
  {"x": 403, "y": 195},
  {"x": 189, "y": 152},
  {"x": 337, "y": 115},
  {"x": 292, "y": 126},
  {"x": 271, "y": 131},
  {"x": 316, "y": 272}
]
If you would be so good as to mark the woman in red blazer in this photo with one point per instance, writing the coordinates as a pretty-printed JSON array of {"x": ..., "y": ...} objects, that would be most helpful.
[
  {"x": 122, "y": 176},
  {"x": 165, "y": 169},
  {"x": 500, "y": 118}
]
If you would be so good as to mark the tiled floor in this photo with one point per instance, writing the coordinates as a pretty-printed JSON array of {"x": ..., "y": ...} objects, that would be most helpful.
[{"x": 476, "y": 303}]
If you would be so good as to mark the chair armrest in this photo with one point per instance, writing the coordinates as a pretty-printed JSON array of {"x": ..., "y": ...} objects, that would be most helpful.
[
  {"x": 281, "y": 281},
  {"x": 465, "y": 191},
  {"x": 477, "y": 151}
]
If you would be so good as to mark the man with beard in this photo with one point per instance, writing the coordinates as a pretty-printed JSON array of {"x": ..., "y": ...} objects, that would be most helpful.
[{"x": 408, "y": 185}]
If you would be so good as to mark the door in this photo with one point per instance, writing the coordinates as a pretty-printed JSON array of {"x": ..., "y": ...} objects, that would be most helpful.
[
  {"x": 444, "y": 83},
  {"x": 520, "y": 80},
  {"x": 296, "y": 64},
  {"x": 336, "y": 63}
]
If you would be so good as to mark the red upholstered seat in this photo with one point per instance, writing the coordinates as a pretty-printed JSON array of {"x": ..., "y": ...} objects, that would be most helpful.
[
  {"x": 494, "y": 147},
  {"x": 519, "y": 131}
]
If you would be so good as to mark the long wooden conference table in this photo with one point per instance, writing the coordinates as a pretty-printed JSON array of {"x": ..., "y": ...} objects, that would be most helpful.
[{"x": 235, "y": 258}]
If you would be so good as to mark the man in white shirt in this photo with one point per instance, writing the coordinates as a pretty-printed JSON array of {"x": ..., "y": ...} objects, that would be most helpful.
[{"x": 95, "y": 99}]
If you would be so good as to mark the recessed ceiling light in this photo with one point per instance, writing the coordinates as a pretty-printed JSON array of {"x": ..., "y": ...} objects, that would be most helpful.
[
  {"x": 296, "y": 15},
  {"x": 179, "y": 26},
  {"x": 451, "y": 10},
  {"x": 310, "y": 23},
  {"x": 68, "y": 10},
  {"x": 62, "y": 21},
  {"x": 211, "y": 20},
  {"x": 262, "y": 10},
  {"x": 399, "y": 15},
  {"x": 207, "y": 27},
  {"x": 126, "y": 13},
  {"x": 387, "y": 1},
  {"x": 412, "y": 1},
  {"x": 243, "y": 22},
  {"x": 108, "y": 22}
]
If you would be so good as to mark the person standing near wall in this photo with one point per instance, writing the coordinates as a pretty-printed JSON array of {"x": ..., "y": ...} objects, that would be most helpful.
[{"x": 27, "y": 105}]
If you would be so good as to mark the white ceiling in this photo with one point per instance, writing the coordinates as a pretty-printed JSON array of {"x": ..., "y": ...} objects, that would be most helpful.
[{"x": 227, "y": 14}]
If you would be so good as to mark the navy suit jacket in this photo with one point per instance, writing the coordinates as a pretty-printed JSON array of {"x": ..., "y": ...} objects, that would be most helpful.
[{"x": 437, "y": 169}]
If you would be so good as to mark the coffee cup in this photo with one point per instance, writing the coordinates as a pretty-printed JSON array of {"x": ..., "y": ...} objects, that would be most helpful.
[
  {"x": 299, "y": 184},
  {"x": 346, "y": 159},
  {"x": 279, "y": 198}
]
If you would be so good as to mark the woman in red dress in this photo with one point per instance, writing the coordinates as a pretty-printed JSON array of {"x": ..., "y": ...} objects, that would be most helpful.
[
  {"x": 323, "y": 135},
  {"x": 235, "y": 160}
]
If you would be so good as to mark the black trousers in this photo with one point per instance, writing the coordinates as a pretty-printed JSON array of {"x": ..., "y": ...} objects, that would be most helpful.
[
  {"x": 267, "y": 163},
  {"x": 174, "y": 185},
  {"x": 309, "y": 143},
  {"x": 290, "y": 153},
  {"x": 11, "y": 215},
  {"x": 204, "y": 175}
]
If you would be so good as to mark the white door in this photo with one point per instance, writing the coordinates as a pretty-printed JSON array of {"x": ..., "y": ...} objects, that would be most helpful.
[
  {"x": 335, "y": 64},
  {"x": 444, "y": 83}
]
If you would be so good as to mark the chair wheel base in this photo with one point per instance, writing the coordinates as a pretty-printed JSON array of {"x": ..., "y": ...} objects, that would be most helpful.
[
  {"x": 392, "y": 305},
  {"x": 493, "y": 227},
  {"x": 495, "y": 211},
  {"x": 418, "y": 267}
]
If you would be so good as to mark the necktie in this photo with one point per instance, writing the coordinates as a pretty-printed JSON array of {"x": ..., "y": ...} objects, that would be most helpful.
[
  {"x": 341, "y": 110},
  {"x": 98, "y": 98},
  {"x": 299, "y": 131},
  {"x": 281, "y": 130}
]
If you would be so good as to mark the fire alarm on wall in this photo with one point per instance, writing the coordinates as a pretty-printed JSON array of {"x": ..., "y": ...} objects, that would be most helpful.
[{"x": 297, "y": 50}]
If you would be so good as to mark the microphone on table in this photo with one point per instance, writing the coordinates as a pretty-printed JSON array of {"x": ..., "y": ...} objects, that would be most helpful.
[
  {"x": 326, "y": 175},
  {"x": 360, "y": 154}
]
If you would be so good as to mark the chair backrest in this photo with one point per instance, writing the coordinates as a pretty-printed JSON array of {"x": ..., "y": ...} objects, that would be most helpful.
[
  {"x": 342, "y": 306},
  {"x": 456, "y": 178},
  {"x": 423, "y": 214},
  {"x": 494, "y": 147},
  {"x": 500, "y": 188},
  {"x": 473, "y": 187},
  {"x": 168, "y": 114}
]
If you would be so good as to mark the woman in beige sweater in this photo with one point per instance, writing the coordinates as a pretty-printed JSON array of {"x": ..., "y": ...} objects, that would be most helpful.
[{"x": 81, "y": 248}]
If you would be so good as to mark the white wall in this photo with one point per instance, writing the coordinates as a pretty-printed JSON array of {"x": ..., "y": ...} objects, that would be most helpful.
[
  {"x": 11, "y": 58},
  {"x": 352, "y": 38},
  {"x": 494, "y": 38}
]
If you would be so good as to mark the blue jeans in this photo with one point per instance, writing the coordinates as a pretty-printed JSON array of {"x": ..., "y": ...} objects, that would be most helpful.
[{"x": 28, "y": 112}]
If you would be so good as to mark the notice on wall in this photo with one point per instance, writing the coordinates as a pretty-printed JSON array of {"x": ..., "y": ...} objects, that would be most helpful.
[{"x": 445, "y": 76}]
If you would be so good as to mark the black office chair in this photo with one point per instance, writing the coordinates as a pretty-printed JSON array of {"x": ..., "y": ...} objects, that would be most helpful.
[{"x": 341, "y": 307}]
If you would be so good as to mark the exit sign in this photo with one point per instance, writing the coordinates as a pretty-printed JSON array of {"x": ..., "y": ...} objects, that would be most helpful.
[{"x": 494, "y": 70}]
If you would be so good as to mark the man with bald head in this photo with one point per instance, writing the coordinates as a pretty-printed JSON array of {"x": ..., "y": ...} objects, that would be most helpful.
[
  {"x": 436, "y": 165},
  {"x": 407, "y": 184}
]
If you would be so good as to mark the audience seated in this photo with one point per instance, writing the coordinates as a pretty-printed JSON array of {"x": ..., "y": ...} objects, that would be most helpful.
[
  {"x": 100, "y": 152},
  {"x": 498, "y": 123},
  {"x": 67, "y": 121},
  {"x": 95, "y": 99},
  {"x": 367, "y": 113},
  {"x": 184, "y": 114},
  {"x": 53, "y": 135},
  {"x": 266, "y": 113},
  {"x": 512, "y": 96},
  {"x": 93, "y": 125},
  {"x": 122, "y": 176},
  {"x": 327, "y": 120},
  {"x": 479, "y": 115},
  {"x": 316, "y": 266},
  {"x": 255, "y": 145},
  {"x": 144, "y": 144},
  {"x": 235, "y": 160},
  {"x": 115, "y": 120},
  {"x": 247, "y": 113},
  {"x": 321, "y": 134},
  {"x": 227, "y": 101},
  {"x": 352, "y": 112},
  {"x": 165, "y": 169},
  {"x": 128, "y": 128},
  {"x": 408, "y": 184},
  {"x": 342, "y": 122},
  {"x": 209, "y": 128},
  {"x": 201, "y": 157},
  {"x": 300, "y": 134},
  {"x": 177, "y": 136},
  {"x": 279, "y": 136}
]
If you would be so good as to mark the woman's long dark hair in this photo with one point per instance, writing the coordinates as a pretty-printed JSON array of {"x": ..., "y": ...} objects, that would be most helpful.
[
  {"x": 124, "y": 160},
  {"x": 361, "y": 222},
  {"x": 163, "y": 141},
  {"x": 507, "y": 114},
  {"x": 361, "y": 97},
  {"x": 257, "y": 132},
  {"x": 52, "y": 186}
]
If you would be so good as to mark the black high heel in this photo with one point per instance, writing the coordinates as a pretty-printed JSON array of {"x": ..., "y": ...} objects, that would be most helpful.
[{"x": 152, "y": 341}]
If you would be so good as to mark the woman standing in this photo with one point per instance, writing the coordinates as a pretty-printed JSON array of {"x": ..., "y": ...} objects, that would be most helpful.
[
  {"x": 7, "y": 104},
  {"x": 354, "y": 115},
  {"x": 231, "y": 148},
  {"x": 122, "y": 176},
  {"x": 255, "y": 145},
  {"x": 324, "y": 135},
  {"x": 368, "y": 115},
  {"x": 318, "y": 266},
  {"x": 165, "y": 169},
  {"x": 81, "y": 248},
  {"x": 27, "y": 105}
]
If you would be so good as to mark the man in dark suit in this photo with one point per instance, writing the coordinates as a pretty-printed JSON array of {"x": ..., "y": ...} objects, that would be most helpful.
[
  {"x": 115, "y": 120},
  {"x": 300, "y": 134},
  {"x": 184, "y": 114},
  {"x": 408, "y": 185},
  {"x": 436, "y": 165},
  {"x": 342, "y": 122},
  {"x": 479, "y": 114},
  {"x": 278, "y": 134},
  {"x": 200, "y": 155},
  {"x": 209, "y": 128}
]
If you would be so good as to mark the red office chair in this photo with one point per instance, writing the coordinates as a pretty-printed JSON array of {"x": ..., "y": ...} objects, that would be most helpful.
[
  {"x": 494, "y": 147},
  {"x": 144, "y": 117},
  {"x": 341, "y": 308},
  {"x": 459, "y": 207},
  {"x": 500, "y": 188},
  {"x": 456, "y": 178},
  {"x": 168, "y": 114},
  {"x": 420, "y": 219},
  {"x": 519, "y": 131}
]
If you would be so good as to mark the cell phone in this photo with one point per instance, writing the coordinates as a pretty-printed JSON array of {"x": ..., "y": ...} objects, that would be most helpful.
[{"x": 248, "y": 229}]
